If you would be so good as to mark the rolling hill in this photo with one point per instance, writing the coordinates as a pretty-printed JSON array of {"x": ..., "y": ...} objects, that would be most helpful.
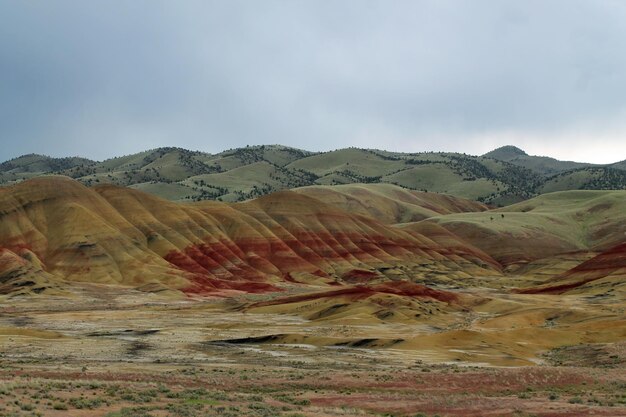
[
  {"x": 366, "y": 266},
  {"x": 539, "y": 164},
  {"x": 557, "y": 236},
  {"x": 501, "y": 177},
  {"x": 591, "y": 178},
  {"x": 390, "y": 203},
  {"x": 31, "y": 165},
  {"x": 54, "y": 229}
]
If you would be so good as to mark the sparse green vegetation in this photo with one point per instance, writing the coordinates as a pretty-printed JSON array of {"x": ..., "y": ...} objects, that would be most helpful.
[{"x": 501, "y": 177}]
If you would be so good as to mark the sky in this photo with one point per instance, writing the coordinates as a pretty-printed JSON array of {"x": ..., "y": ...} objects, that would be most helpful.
[{"x": 104, "y": 78}]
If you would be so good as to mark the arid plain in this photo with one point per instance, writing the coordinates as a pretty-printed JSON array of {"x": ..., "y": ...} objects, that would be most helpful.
[{"x": 362, "y": 299}]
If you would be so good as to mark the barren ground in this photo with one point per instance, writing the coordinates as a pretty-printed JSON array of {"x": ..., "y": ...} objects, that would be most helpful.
[{"x": 107, "y": 352}]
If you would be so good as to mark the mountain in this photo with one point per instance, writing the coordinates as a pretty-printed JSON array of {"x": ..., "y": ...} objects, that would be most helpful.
[
  {"x": 506, "y": 153},
  {"x": 31, "y": 165},
  {"x": 501, "y": 177},
  {"x": 54, "y": 230},
  {"x": 542, "y": 165}
]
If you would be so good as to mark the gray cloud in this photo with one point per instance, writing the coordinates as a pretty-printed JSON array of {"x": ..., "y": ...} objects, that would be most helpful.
[{"x": 104, "y": 78}]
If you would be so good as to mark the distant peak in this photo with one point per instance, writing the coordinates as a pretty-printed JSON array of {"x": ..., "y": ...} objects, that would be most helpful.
[
  {"x": 506, "y": 153},
  {"x": 512, "y": 148}
]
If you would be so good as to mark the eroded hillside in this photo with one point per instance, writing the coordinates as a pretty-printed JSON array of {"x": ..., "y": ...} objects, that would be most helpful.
[
  {"x": 54, "y": 228},
  {"x": 319, "y": 276}
]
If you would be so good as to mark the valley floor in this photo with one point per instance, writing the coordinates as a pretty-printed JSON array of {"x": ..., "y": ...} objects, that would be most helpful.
[{"x": 100, "y": 351}]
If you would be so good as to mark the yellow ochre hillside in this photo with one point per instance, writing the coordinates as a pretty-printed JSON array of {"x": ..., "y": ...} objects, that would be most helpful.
[{"x": 54, "y": 229}]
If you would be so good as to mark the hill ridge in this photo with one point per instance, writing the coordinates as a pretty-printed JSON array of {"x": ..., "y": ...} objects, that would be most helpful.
[{"x": 239, "y": 174}]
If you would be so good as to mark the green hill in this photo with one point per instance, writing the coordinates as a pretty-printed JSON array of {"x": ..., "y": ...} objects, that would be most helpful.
[
  {"x": 506, "y": 153},
  {"x": 591, "y": 178},
  {"x": 539, "y": 164},
  {"x": 619, "y": 165},
  {"x": 31, "y": 165},
  {"x": 501, "y": 177},
  {"x": 546, "y": 226}
]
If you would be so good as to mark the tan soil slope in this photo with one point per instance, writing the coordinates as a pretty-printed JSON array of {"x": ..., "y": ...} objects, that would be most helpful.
[
  {"x": 389, "y": 203},
  {"x": 543, "y": 227}
]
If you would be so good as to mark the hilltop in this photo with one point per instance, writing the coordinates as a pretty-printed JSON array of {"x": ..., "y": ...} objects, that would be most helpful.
[
  {"x": 506, "y": 153},
  {"x": 503, "y": 176},
  {"x": 36, "y": 164},
  {"x": 540, "y": 164}
]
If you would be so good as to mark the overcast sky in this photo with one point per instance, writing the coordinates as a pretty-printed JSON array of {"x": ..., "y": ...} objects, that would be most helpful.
[{"x": 107, "y": 78}]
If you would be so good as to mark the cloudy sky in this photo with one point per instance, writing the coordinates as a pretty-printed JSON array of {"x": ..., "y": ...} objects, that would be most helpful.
[{"x": 107, "y": 78}]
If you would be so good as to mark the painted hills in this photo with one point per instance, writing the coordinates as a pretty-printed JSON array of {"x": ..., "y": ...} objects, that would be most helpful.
[
  {"x": 54, "y": 229},
  {"x": 504, "y": 176},
  {"x": 113, "y": 272},
  {"x": 340, "y": 218}
]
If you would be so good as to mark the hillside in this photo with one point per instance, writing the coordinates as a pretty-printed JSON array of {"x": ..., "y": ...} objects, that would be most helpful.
[
  {"x": 540, "y": 164},
  {"x": 501, "y": 177},
  {"x": 546, "y": 235},
  {"x": 126, "y": 237},
  {"x": 619, "y": 165},
  {"x": 28, "y": 166},
  {"x": 390, "y": 203},
  {"x": 591, "y": 178},
  {"x": 320, "y": 267},
  {"x": 601, "y": 276},
  {"x": 317, "y": 234}
]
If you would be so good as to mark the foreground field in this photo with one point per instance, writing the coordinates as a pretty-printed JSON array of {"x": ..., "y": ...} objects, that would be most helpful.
[
  {"x": 347, "y": 384},
  {"x": 101, "y": 351}
]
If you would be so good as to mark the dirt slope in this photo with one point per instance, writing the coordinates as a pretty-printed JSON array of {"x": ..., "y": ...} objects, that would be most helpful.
[
  {"x": 390, "y": 203},
  {"x": 543, "y": 227}
]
